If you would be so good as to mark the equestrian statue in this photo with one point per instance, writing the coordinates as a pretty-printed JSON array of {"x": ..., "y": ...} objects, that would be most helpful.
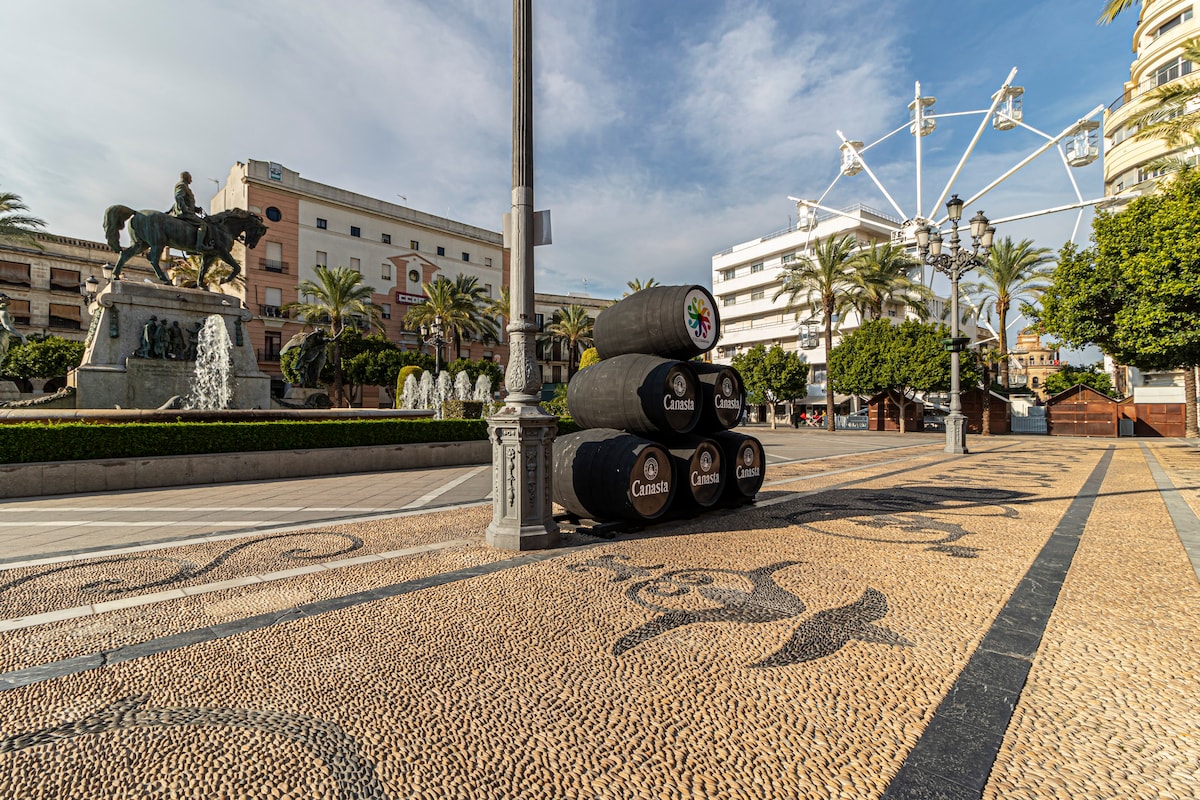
[{"x": 183, "y": 228}]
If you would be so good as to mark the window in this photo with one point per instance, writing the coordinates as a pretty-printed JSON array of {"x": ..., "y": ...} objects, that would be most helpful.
[
  {"x": 385, "y": 310},
  {"x": 273, "y": 262},
  {"x": 441, "y": 251},
  {"x": 272, "y": 344},
  {"x": 731, "y": 299},
  {"x": 540, "y": 320},
  {"x": 414, "y": 276},
  {"x": 14, "y": 274},
  {"x": 728, "y": 274},
  {"x": 487, "y": 261},
  {"x": 64, "y": 280},
  {"x": 356, "y": 264},
  {"x": 787, "y": 258},
  {"x": 487, "y": 289},
  {"x": 274, "y": 214},
  {"x": 557, "y": 374},
  {"x": 322, "y": 223},
  {"x": 1173, "y": 22},
  {"x": 414, "y": 244},
  {"x": 1172, "y": 70},
  {"x": 1035, "y": 382},
  {"x": 65, "y": 317},
  {"x": 466, "y": 256},
  {"x": 386, "y": 238},
  {"x": 19, "y": 310},
  {"x": 756, "y": 268},
  {"x": 273, "y": 300},
  {"x": 385, "y": 271},
  {"x": 757, "y": 294},
  {"x": 322, "y": 258},
  {"x": 355, "y": 230}
]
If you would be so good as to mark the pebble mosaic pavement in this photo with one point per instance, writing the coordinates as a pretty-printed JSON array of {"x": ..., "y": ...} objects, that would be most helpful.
[{"x": 810, "y": 646}]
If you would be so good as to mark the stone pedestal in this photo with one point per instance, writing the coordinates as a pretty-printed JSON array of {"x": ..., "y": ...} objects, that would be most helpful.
[
  {"x": 9, "y": 391},
  {"x": 114, "y": 372},
  {"x": 522, "y": 440}
]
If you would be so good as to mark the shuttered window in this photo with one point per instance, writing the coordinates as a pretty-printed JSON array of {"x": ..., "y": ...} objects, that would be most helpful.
[
  {"x": 64, "y": 280},
  {"x": 64, "y": 316},
  {"x": 14, "y": 274},
  {"x": 20, "y": 311}
]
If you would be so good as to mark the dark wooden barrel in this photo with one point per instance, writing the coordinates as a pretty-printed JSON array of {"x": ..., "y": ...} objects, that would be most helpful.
[
  {"x": 722, "y": 396},
  {"x": 678, "y": 322},
  {"x": 605, "y": 474},
  {"x": 636, "y": 393},
  {"x": 745, "y": 466},
  {"x": 698, "y": 472}
]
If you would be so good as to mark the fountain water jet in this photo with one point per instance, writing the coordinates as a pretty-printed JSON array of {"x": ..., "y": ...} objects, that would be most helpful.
[{"x": 212, "y": 384}]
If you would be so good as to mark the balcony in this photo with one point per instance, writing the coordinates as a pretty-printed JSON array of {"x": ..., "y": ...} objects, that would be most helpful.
[
  {"x": 273, "y": 312},
  {"x": 273, "y": 266}
]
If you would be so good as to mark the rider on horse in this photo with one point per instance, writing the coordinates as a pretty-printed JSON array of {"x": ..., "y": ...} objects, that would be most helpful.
[{"x": 185, "y": 208}]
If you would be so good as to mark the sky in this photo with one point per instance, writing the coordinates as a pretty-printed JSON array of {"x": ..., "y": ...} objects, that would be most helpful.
[{"x": 665, "y": 130}]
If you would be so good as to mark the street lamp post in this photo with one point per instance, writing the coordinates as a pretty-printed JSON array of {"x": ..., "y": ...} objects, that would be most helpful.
[
  {"x": 954, "y": 264},
  {"x": 432, "y": 335}
]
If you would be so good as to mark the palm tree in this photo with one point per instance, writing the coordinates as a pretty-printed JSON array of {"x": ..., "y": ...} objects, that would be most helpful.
[
  {"x": 497, "y": 309},
  {"x": 636, "y": 285},
  {"x": 825, "y": 278},
  {"x": 187, "y": 270},
  {"x": 573, "y": 325},
  {"x": 15, "y": 226},
  {"x": 880, "y": 276},
  {"x": 1012, "y": 270},
  {"x": 1113, "y": 9},
  {"x": 476, "y": 302},
  {"x": 337, "y": 298},
  {"x": 444, "y": 309},
  {"x": 988, "y": 359}
]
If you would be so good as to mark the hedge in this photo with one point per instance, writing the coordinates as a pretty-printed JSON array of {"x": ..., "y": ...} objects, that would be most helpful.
[{"x": 72, "y": 441}]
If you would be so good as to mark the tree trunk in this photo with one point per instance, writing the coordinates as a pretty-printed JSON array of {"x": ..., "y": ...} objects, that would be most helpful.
[
  {"x": 829, "y": 422},
  {"x": 986, "y": 423},
  {"x": 1002, "y": 333},
  {"x": 1189, "y": 400},
  {"x": 901, "y": 405}
]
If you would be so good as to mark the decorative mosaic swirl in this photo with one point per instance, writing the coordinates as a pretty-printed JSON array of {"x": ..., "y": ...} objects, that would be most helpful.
[
  {"x": 350, "y": 770},
  {"x": 903, "y": 515},
  {"x": 186, "y": 570},
  {"x": 750, "y": 597}
]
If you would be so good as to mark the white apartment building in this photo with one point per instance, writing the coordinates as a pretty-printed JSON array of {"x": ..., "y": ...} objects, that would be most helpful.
[
  {"x": 747, "y": 276},
  {"x": 1164, "y": 26}
]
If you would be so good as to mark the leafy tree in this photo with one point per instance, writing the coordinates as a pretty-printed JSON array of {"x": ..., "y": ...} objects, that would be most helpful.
[
  {"x": 476, "y": 367},
  {"x": 574, "y": 327},
  {"x": 637, "y": 284},
  {"x": 1069, "y": 376},
  {"x": 16, "y": 226},
  {"x": 772, "y": 376},
  {"x": 1135, "y": 293},
  {"x": 824, "y": 280},
  {"x": 907, "y": 358},
  {"x": 1013, "y": 270},
  {"x": 338, "y": 298},
  {"x": 880, "y": 276},
  {"x": 42, "y": 357}
]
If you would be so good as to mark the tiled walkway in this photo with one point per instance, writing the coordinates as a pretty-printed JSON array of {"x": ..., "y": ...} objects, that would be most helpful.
[{"x": 1020, "y": 622}]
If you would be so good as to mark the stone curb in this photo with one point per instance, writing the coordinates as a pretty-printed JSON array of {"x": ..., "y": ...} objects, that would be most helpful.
[{"x": 108, "y": 475}]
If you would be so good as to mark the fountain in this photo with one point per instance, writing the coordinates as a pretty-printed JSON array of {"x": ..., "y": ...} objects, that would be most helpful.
[
  {"x": 212, "y": 385},
  {"x": 462, "y": 386},
  {"x": 430, "y": 394},
  {"x": 408, "y": 395},
  {"x": 483, "y": 390}
]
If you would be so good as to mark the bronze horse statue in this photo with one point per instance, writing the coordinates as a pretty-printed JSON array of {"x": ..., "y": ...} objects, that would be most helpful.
[{"x": 155, "y": 231}]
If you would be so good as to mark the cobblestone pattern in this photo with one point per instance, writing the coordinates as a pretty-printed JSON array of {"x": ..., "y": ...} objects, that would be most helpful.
[
  {"x": 1112, "y": 707},
  {"x": 1182, "y": 463},
  {"x": 519, "y": 684}
]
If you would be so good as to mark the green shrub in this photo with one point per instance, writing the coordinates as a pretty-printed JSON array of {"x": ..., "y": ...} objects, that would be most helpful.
[
  {"x": 462, "y": 409},
  {"x": 71, "y": 441},
  {"x": 589, "y": 357}
]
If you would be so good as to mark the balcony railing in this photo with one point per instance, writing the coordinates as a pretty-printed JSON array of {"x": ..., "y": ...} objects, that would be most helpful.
[
  {"x": 274, "y": 312},
  {"x": 269, "y": 355},
  {"x": 273, "y": 266},
  {"x": 65, "y": 324}
]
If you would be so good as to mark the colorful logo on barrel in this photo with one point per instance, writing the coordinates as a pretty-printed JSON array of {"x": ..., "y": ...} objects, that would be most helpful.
[{"x": 700, "y": 319}]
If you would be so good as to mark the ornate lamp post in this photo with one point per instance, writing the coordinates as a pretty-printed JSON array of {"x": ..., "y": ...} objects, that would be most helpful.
[
  {"x": 432, "y": 335},
  {"x": 522, "y": 435},
  {"x": 954, "y": 264}
]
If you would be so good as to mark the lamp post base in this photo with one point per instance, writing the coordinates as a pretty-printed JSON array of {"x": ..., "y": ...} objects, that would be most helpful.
[
  {"x": 522, "y": 439},
  {"x": 956, "y": 433}
]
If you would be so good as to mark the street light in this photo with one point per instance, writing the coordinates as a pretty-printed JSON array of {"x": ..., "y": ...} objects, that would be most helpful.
[
  {"x": 954, "y": 264},
  {"x": 432, "y": 335},
  {"x": 89, "y": 288}
]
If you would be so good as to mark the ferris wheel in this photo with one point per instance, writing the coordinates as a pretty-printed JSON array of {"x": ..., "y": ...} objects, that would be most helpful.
[{"x": 1077, "y": 146}]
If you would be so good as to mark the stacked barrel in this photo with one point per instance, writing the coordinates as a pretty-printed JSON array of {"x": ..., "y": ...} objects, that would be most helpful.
[{"x": 657, "y": 436}]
